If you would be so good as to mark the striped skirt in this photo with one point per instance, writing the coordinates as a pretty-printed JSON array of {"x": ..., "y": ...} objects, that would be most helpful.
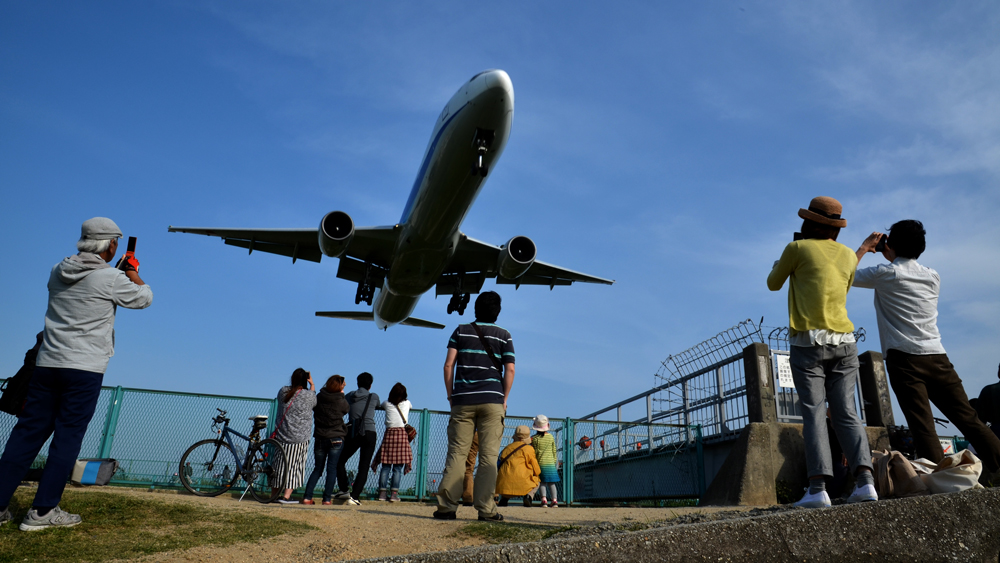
[{"x": 293, "y": 465}]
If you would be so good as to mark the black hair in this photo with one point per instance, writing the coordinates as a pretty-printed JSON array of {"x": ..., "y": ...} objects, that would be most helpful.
[
  {"x": 814, "y": 230},
  {"x": 365, "y": 380},
  {"x": 397, "y": 394},
  {"x": 300, "y": 379},
  {"x": 907, "y": 238},
  {"x": 334, "y": 381},
  {"x": 488, "y": 307}
]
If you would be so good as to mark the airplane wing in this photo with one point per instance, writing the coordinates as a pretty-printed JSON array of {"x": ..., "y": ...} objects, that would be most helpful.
[
  {"x": 370, "y": 244},
  {"x": 473, "y": 256}
]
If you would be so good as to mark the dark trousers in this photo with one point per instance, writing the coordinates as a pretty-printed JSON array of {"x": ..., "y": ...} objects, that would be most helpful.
[
  {"x": 366, "y": 444},
  {"x": 60, "y": 401},
  {"x": 915, "y": 379},
  {"x": 327, "y": 452}
]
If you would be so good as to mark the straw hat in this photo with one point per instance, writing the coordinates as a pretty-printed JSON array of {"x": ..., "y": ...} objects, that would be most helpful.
[
  {"x": 825, "y": 211},
  {"x": 540, "y": 423},
  {"x": 522, "y": 434}
]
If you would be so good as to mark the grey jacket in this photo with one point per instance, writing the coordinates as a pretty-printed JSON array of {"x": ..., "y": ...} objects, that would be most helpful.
[
  {"x": 295, "y": 418},
  {"x": 84, "y": 292},
  {"x": 357, "y": 399}
]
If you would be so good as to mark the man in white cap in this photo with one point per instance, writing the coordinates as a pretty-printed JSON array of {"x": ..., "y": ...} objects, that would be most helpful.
[{"x": 78, "y": 341}]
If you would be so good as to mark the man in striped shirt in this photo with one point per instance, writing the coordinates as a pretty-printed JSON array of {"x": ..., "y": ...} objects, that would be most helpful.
[{"x": 477, "y": 391}]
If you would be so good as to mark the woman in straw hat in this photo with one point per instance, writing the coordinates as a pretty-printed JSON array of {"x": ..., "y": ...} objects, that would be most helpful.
[{"x": 518, "y": 471}]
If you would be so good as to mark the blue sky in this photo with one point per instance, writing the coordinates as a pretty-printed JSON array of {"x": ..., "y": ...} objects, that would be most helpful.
[{"x": 667, "y": 146}]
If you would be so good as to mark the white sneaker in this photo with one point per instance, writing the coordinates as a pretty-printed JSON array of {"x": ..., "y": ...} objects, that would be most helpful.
[
  {"x": 818, "y": 500},
  {"x": 864, "y": 493},
  {"x": 342, "y": 495},
  {"x": 351, "y": 501},
  {"x": 56, "y": 517}
]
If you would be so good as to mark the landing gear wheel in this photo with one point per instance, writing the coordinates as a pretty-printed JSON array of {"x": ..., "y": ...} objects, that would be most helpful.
[{"x": 483, "y": 170}]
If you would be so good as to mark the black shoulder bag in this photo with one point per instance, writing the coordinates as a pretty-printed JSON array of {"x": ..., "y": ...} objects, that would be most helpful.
[
  {"x": 352, "y": 426},
  {"x": 488, "y": 348},
  {"x": 15, "y": 390}
]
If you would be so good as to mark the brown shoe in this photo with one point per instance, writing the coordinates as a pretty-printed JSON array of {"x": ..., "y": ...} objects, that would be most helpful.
[
  {"x": 308, "y": 501},
  {"x": 327, "y": 503}
]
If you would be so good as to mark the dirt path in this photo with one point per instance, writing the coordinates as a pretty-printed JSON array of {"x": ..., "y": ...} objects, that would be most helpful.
[{"x": 377, "y": 529}]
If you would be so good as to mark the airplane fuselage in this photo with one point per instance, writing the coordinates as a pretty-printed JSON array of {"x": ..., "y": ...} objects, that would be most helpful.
[{"x": 453, "y": 171}]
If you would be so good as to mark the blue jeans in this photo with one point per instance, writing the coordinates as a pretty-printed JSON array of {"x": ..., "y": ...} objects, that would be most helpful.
[
  {"x": 397, "y": 475},
  {"x": 60, "y": 401},
  {"x": 327, "y": 451}
]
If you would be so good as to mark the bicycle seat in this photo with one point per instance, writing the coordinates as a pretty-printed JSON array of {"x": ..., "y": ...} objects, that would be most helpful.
[{"x": 255, "y": 418}]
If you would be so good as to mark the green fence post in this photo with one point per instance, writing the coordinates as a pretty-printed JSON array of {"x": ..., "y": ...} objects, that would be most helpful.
[
  {"x": 111, "y": 422},
  {"x": 423, "y": 446},
  {"x": 700, "y": 452},
  {"x": 569, "y": 460},
  {"x": 272, "y": 420}
]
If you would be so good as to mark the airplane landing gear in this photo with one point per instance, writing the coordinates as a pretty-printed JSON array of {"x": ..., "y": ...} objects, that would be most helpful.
[
  {"x": 366, "y": 288},
  {"x": 482, "y": 142},
  {"x": 458, "y": 303}
]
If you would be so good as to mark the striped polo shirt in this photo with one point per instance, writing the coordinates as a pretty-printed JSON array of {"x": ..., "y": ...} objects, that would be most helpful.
[{"x": 477, "y": 380}]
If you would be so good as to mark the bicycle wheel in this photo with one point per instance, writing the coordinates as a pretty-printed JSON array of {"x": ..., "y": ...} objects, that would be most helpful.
[
  {"x": 208, "y": 468},
  {"x": 266, "y": 471}
]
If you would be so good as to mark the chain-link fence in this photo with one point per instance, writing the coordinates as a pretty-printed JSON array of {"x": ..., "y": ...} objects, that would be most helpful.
[{"x": 147, "y": 432}]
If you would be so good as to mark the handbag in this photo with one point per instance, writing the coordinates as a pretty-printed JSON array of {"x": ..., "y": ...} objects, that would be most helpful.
[
  {"x": 93, "y": 471},
  {"x": 956, "y": 472},
  {"x": 288, "y": 406},
  {"x": 14, "y": 391},
  {"x": 352, "y": 429},
  {"x": 895, "y": 476},
  {"x": 411, "y": 432}
]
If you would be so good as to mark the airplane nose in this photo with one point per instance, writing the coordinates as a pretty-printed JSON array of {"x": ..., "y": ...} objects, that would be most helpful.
[{"x": 500, "y": 79}]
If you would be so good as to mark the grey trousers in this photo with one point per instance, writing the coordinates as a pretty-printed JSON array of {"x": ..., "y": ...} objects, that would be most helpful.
[{"x": 829, "y": 374}]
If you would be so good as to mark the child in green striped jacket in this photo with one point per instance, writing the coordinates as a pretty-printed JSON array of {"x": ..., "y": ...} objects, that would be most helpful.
[{"x": 545, "y": 451}]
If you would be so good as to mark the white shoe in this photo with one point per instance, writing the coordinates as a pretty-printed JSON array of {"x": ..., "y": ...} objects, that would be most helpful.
[
  {"x": 55, "y": 518},
  {"x": 342, "y": 495},
  {"x": 353, "y": 502},
  {"x": 864, "y": 493},
  {"x": 818, "y": 500}
]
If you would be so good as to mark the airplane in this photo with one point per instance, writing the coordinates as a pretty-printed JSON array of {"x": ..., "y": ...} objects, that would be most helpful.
[{"x": 395, "y": 265}]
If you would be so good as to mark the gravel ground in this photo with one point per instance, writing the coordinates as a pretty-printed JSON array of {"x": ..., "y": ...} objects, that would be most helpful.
[{"x": 381, "y": 529}]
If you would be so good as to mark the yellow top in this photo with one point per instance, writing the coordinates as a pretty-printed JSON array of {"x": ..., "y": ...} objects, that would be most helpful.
[
  {"x": 519, "y": 475},
  {"x": 821, "y": 273}
]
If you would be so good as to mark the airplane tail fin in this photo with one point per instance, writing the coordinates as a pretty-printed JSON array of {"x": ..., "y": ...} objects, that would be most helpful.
[{"x": 369, "y": 316}]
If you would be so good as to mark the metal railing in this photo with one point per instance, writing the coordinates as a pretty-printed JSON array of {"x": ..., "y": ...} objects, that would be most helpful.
[{"x": 147, "y": 431}]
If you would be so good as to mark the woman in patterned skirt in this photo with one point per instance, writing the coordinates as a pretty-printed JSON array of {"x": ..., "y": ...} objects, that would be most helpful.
[
  {"x": 395, "y": 454},
  {"x": 294, "y": 430}
]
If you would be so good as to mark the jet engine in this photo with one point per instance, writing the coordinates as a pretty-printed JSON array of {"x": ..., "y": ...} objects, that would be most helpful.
[
  {"x": 335, "y": 232},
  {"x": 516, "y": 257}
]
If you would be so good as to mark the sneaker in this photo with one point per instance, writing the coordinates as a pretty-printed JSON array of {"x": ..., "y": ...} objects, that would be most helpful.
[
  {"x": 818, "y": 500},
  {"x": 439, "y": 515},
  {"x": 351, "y": 501},
  {"x": 308, "y": 501},
  {"x": 381, "y": 495},
  {"x": 287, "y": 501},
  {"x": 527, "y": 501},
  {"x": 56, "y": 517},
  {"x": 342, "y": 495},
  {"x": 5, "y": 516},
  {"x": 553, "y": 504},
  {"x": 864, "y": 493},
  {"x": 495, "y": 518},
  {"x": 394, "y": 497}
]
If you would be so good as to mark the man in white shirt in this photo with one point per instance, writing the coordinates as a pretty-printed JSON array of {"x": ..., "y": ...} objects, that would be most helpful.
[{"x": 906, "y": 297}]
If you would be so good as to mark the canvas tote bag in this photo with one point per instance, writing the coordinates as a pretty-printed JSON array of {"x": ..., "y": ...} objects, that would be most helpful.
[
  {"x": 956, "y": 472},
  {"x": 895, "y": 477}
]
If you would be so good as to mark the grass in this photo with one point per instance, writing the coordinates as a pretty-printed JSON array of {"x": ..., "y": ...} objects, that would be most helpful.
[
  {"x": 119, "y": 526},
  {"x": 496, "y": 532}
]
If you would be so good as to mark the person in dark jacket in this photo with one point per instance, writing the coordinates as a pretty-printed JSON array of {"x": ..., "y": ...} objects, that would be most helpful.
[
  {"x": 331, "y": 406},
  {"x": 361, "y": 437}
]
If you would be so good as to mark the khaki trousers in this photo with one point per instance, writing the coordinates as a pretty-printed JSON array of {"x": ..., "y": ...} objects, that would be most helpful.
[
  {"x": 470, "y": 467},
  {"x": 464, "y": 422}
]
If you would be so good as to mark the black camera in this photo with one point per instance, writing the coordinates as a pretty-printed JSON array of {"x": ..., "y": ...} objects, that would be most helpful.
[{"x": 880, "y": 246}]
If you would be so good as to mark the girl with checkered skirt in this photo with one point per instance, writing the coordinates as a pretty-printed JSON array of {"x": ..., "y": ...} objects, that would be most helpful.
[{"x": 394, "y": 454}]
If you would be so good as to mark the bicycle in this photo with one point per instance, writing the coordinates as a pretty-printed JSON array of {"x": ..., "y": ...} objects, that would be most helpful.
[{"x": 204, "y": 470}]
